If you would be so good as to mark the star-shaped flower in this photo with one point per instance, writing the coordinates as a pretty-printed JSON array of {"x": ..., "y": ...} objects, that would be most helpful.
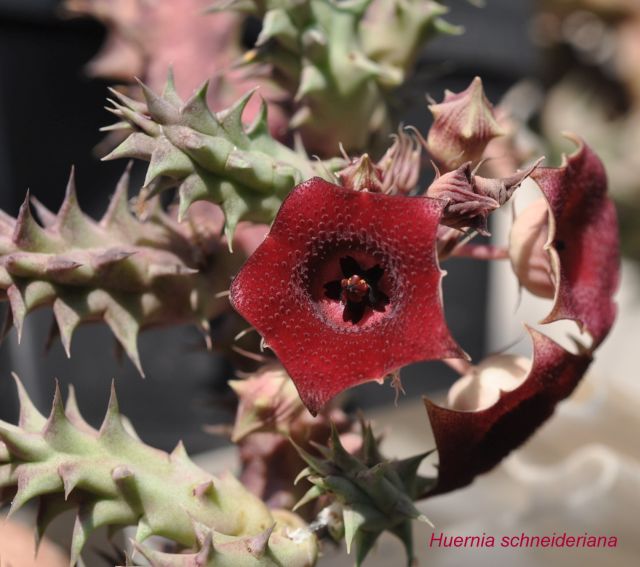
[{"x": 346, "y": 287}]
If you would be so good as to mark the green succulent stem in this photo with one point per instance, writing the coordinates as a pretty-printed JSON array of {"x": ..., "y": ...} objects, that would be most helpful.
[
  {"x": 342, "y": 61},
  {"x": 129, "y": 273},
  {"x": 209, "y": 156},
  {"x": 113, "y": 479},
  {"x": 371, "y": 493}
]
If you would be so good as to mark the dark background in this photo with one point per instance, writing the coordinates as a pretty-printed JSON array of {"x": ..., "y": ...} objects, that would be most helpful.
[{"x": 49, "y": 119}]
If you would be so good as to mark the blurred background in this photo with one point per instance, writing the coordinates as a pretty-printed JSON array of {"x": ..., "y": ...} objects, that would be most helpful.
[{"x": 556, "y": 65}]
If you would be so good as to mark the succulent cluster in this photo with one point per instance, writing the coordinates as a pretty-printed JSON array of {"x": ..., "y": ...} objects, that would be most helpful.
[
  {"x": 370, "y": 493},
  {"x": 208, "y": 156},
  {"x": 269, "y": 418},
  {"x": 344, "y": 288},
  {"x": 113, "y": 479},
  {"x": 340, "y": 62},
  {"x": 123, "y": 271},
  {"x": 330, "y": 69}
]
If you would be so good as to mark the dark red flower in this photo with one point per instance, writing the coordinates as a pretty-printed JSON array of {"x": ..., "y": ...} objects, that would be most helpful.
[
  {"x": 473, "y": 442},
  {"x": 346, "y": 287},
  {"x": 583, "y": 241},
  {"x": 570, "y": 254}
]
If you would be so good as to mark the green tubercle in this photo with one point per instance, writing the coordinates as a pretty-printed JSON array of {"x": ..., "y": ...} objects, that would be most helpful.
[
  {"x": 113, "y": 479},
  {"x": 341, "y": 62},
  {"x": 123, "y": 271},
  {"x": 372, "y": 494},
  {"x": 209, "y": 156}
]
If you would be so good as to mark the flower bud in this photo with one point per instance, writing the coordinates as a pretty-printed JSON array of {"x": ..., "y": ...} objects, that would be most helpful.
[
  {"x": 361, "y": 175},
  {"x": 401, "y": 164},
  {"x": 268, "y": 401},
  {"x": 397, "y": 172},
  {"x": 464, "y": 123}
]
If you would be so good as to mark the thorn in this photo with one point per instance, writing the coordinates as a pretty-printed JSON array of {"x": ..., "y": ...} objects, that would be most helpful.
[
  {"x": 260, "y": 122},
  {"x": 304, "y": 473},
  {"x": 353, "y": 521},
  {"x": 257, "y": 545},
  {"x": 57, "y": 416},
  {"x": 311, "y": 494},
  {"x": 79, "y": 538},
  {"x": 317, "y": 465},
  {"x": 111, "y": 256},
  {"x": 122, "y": 473},
  {"x": 196, "y": 106},
  {"x": 30, "y": 418},
  {"x": 28, "y": 235},
  {"x": 136, "y": 105},
  {"x": 160, "y": 110},
  {"x": 67, "y": 320},
  {"x": 70, "y": 476},
  {"x": 231, "y": 118},
  {"x": 70, "y": 202},
  {"x": 119, "y": 205},
  {"x": 125, "y": 327},
  {"x": 179, "y": 453},
  {"x": 204, "y": 489},
  {"x": 72, "y": 411},
  {"x": 113, "y": 408},
  {"x": 423, "y": 518},
  {"x": 112, "y": 427},
  {"x": 61, "y": 265}
]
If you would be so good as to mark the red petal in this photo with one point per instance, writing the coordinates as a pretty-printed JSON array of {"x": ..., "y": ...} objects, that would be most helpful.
[
  {"x": 280, "y": 290},
  {"x": 472, "y": 442},
  {"x": 584, "y": 247}
]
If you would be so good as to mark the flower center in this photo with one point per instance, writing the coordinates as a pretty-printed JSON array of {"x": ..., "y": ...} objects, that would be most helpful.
[
  {"x": 357, "y": 290},
  {"x": 354, "y": 288}
]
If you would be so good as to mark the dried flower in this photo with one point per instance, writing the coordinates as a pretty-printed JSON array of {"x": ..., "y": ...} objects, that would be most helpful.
[{"x": 470, "y": 198}]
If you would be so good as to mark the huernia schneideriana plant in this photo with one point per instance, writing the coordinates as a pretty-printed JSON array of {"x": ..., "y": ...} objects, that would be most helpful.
[{"x": 344, "y": 288}]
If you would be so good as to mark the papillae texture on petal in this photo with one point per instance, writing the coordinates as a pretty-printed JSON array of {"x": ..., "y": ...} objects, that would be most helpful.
[
  {"x": 583, "y": 242},
  {"x": 280, "y": 290},
  {"x": 472, "y": 442}
]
